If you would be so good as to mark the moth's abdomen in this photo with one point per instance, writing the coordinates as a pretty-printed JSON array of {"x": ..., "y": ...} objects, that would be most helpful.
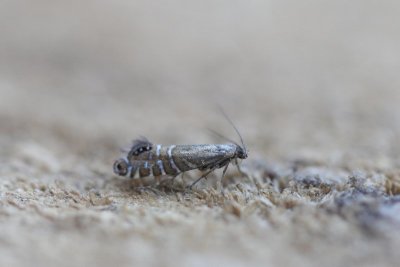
[
  {"x": 157, "y": 162},
  {"x": 140, "y": 169}
]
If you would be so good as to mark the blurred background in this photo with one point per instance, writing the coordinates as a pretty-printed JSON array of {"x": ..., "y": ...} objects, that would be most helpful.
[
  {"x": 294, "y": 76},
  {"x": 310, "y": 81}
]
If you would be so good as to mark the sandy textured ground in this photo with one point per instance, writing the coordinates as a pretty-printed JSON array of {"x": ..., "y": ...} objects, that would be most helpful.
[{"x": 314, "y": 88}]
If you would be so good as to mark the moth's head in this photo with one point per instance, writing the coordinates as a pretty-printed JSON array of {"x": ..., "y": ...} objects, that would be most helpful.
[
  {"x": 122, "y": 167},
  {"x": 241, "y": 152}
]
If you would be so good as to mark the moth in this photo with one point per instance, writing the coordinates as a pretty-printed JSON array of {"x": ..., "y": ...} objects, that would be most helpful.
[{"x": 146, "y": 159}]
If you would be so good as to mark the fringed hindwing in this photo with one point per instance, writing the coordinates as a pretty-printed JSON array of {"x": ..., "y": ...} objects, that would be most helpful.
[{"x": 139, "y": 146}]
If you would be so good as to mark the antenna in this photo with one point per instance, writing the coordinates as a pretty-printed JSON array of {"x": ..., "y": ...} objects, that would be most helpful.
[
  {"x": 234, "y": 127},
  {"x": 221, "y": 136}
]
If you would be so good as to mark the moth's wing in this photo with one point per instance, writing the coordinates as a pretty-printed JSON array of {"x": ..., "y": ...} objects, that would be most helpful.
[
  {"x": 189, "y": 157},
  {"x": 141, "y": 142},
  {"x": 139, "y": 146}
]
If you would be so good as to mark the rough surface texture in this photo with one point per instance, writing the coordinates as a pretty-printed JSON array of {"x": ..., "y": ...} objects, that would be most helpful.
[{"x": 313, "y": 86}]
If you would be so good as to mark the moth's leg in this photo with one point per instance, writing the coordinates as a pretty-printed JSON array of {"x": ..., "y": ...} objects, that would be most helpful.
[
  {"x": 169, "y": 183},
  {"x": 239, "y": 169},
  {"x": 242, "y": 172},
  {"x": 224, "y": 171},
  {"x": 221, "y": 181},
  {"x": 201, "y": 177},
  {"x": 217, "y": 165}
]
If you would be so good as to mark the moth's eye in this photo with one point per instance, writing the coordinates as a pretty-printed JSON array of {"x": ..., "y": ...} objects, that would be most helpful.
[{"x": 121, "y": 167}]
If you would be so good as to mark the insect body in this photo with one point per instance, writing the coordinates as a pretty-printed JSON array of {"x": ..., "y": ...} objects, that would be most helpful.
[{"x": 145, "y": 159}]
